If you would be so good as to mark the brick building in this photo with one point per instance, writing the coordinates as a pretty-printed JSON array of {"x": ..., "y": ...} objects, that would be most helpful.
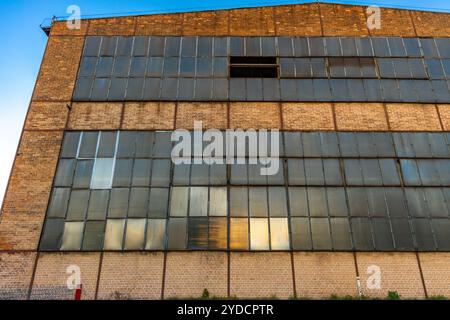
[{"x": 365, "y": 149}]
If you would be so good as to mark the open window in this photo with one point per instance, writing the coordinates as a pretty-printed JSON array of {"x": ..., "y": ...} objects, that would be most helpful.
[{"x": 253, "y": 67}]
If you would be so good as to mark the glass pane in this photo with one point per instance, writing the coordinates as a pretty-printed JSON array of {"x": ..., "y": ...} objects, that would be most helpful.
[
  {"x": 377, "y": 202},
  {"x": 410, "y": 172},
  {"x": 135, "y": 234},
  {"x": 70, "y": 144},
  {"x": 258, "y": 202},
  {"x": 127, "y": 144},
  {"x": 199, "y": 174},
  {"x": 107, "y": 145},
  {"x": 52, "y": 235},
  {"x": 124, "y": 46},
  {"x": 179, "y": 202},
  {"x": 239, "y": 234},
  {"x": 198, "y": 202},
  {"x": 173, "y": 46},
  {"x": 353, "y": 173},
  {"x": 141, "y": 173},
  {"x": 396, "y": 202},
  {"x": 58, "y": 203},
  {"x": 140, "y": 46},
  {"x": 218, "y": 174},
  {"x": 301, "y": 234},
  {"x": 314, "y": 172},
  {"x": 121, "y": 67},
  {"x": 296, "y": 172},
  {"x": 100, "y": 89},
  {"x": 94, "y": 235},
  {"x": 337, "y": 203},
  {"x": 114, "y": 234},
  {"x": 371, "y": 172},
  {"x": 78, "y": 205},
  {"x": 218, "y": 233},
  {"x": 389, "y": 172},
  {"x": 218, "y": 203},
  {"x": 382, "y": 234},
  {"x": 138, "y": 203},
  {"x": 159, "y": 199},
  {"x": 277, "y": 202},
  {"x": 83, "y": 174},
  {"x": 64, "y": 174},
  {"x": 239, "y": 202},
  {"x": 102, "y": 174},
  {"x": 204, "y": 48},
  {"x": 73, "y": 235},
  {"x": 357, "y": 200},
  {"x": 156, "y": 234},
  {"x": 198, "y": 233},
  {"x": 332, "y": 170},
  {"x": 417, "y": 205},
  {"x": 259, "y": 234},
  {"x": 104, "y": 67},
  {"x": 157, "y": 45},
  {"x": 92, "y": 46},
  {"x": 362, "y": 235},
  {"x": 428, "y": 173},
  {"x": 154, "y": 66},
  {"x": 298, "y": 202},
  {"x": 423, "y": 234},
  {"x": 348, "y": 144},
  {"x": 321, "y": 237},
  {"x": 88, "y": 146},
  {"x": 161, "y": 173},
  {"x": 340, "y": 230},
  {"x": 402, "y": 234},
  {"x": 118, "y": 205},
  {"x": 98, "y": 205},
  {"x": 279, "y": 234},
  {"x": 441, "y": 229},
  {"x": 436, "y": 203},
  {"x": 122, "y": 173},
  {"x": 317, "y": 202}
]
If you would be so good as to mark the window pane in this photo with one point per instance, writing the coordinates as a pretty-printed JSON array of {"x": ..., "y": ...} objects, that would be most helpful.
[
  {"x": 389, "y": 172},
  {"x": 298, "y": 202},
  {"x": 218, "y": 203},
  {"x": 428, "y": 173},
  {"x": 423, "y": 234},
  {"x": 332, "y": 170},
  {"x": 218, "y": 174},
  {"x": 353, "y": 172},
  {"x": 410, "y": 172},
  {"x": 161, "y": 173},
  {"x": 199, "y": 174},
  {"x": 317, "y": 202},
  {"x": 93, "y": 235},
  {"x": 78, "y": 205},
  {"x": 198, "y": 233},
  {"x": 341, "y": 234},
  {"x": 157, "y": 45},
  {"x": 156, "y": 234},
  {"x": 279, "y": 234},
  {"x": 417, "y": 205},
  {"x": 436, "y": 203},
  {"x": 259, "y": 234},
  {"x": 321, "y": 237},
  {"x": 384, "y": 144},
  {"x": 198, "y": 202},
  {"x": 362, "y": 235},
  {"x": 138, "y": 203},
  {"x": 122, "y": 173},
  {"x": 377, "y": 202},
  {"x": 154, "y": 66},
  {"x": 118, "y": 205},
  {"x": 163, "y": 145},
  {"x": 138, "y": 65},
  {"x": 277, "y": 202},
  {"x": 337, "y": 204},
  {"x": 239, "y": 202},
  {"x": 402, "y": 234},
  {"x": 88, "y": 146},
  {"x": 102, "y": 174},
  {"x": 121, "y": 67},
  {"x": 127, "y": 144},
  {"x": 218, "y": 233},
  {"x": 301, "y": 234},
  {"x": 83, "y": 174},
  {"x": 296, "y": 172},
  {"x": 135, "y": 234},
  {"x": 348, "y": 144},
  {"x": 98, "y": 204},
  {"x": 441, "y": 229},
  {"x": 140, "y": 47},
  {"x": 159, "y": 199},
  {"x": 73, "y": 235},
  {"x": 239, "y": 234},
  {"x": 70, "y": 145},
  {"x": 114, "y": 234},
  {"x": 52, "y": 235},
  {"x": 382, "y": 233},
  {"x": 107, "y": 144},
  {"x": 357, "y": 200},
  {"x": 179, "y": 202},
  {"x": 371, "y": 172},
  {"x": 58, "y": 203},
  {"x": 314, "y": 172},
  {"x": 396, "y": 202},
  {"x": 92, "y": 46},
  {"x": 141, "y": 173},
  {"x": 258, "y": 202}
]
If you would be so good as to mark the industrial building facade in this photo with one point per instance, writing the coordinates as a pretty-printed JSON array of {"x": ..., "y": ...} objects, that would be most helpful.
[{"x": 364, "y": 158}]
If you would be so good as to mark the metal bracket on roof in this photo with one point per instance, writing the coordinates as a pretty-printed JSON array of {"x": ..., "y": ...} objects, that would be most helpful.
[{"x": 47, "y": 24}]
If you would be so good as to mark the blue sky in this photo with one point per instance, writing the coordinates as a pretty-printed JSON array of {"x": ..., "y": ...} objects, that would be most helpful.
[{"x": 23, "y": 45}]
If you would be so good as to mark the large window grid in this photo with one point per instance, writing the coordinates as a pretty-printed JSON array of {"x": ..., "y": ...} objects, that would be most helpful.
[
  {"x": 312, "y": 69},
  {"x": 202, "y": 207}
]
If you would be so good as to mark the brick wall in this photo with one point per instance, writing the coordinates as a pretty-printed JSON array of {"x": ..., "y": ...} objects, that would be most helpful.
[
  {"x": 131, "y": 276},
  {"x": 50, "y": 281},
  {"x": 323, "y": 274},
  {"x": 15, "y": 274},
  {"x": 254, "y": 275},
  {"x": 436, "y": 273},
  {"x": 357, "y": 116},
  {"x": 149, "y": 116},
  {"x": 399, "y": 272},
  {"x": 95, "y": 116},
  {"x": 188, "y": 274}
]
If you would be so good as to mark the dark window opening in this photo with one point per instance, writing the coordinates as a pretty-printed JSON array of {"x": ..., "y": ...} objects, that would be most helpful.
[{"x": 253, "y": 67}]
